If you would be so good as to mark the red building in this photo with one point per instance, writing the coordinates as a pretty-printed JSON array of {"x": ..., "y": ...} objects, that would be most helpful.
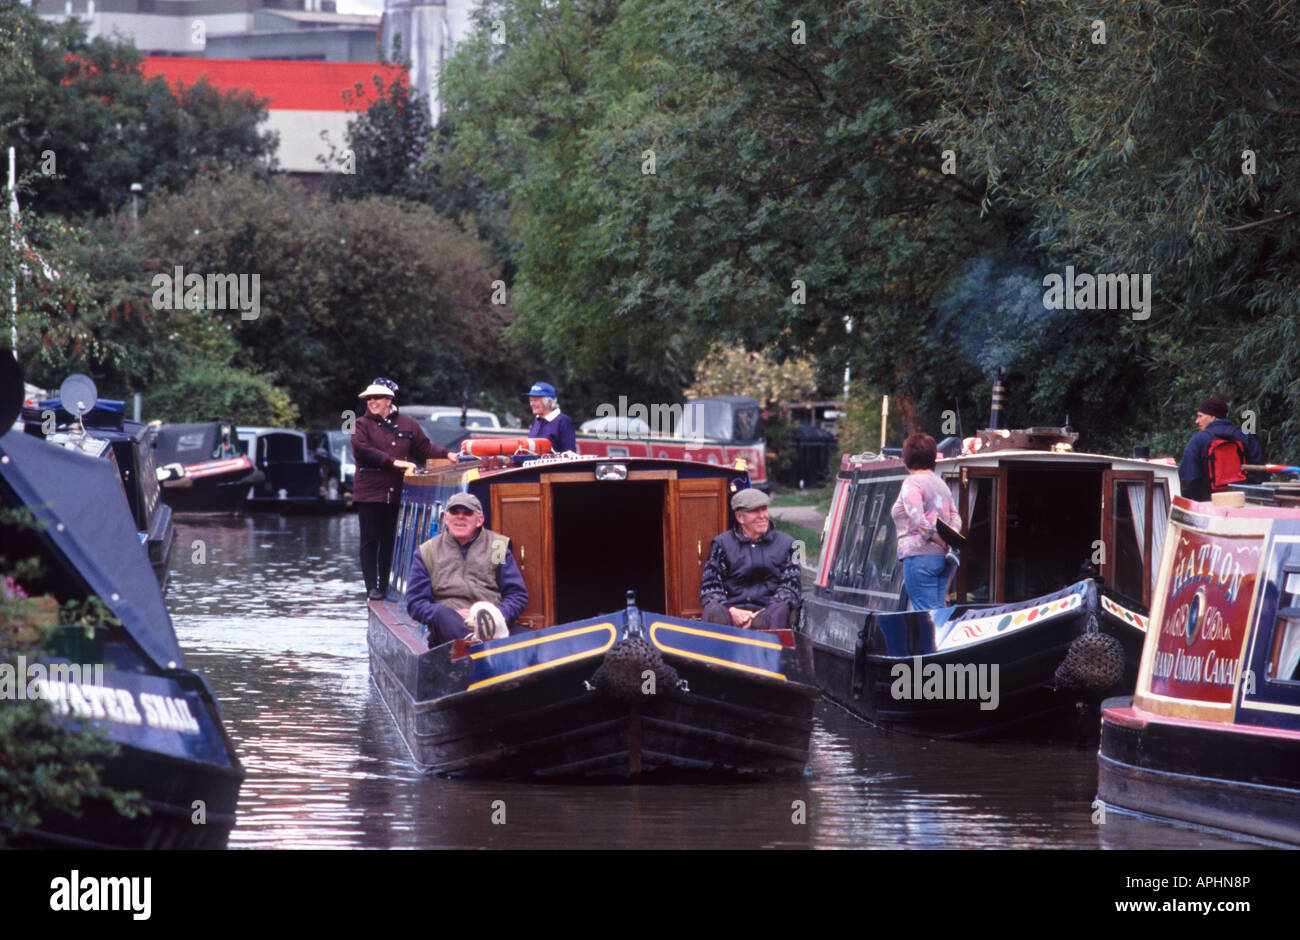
[{"x": 306, "y": 98}]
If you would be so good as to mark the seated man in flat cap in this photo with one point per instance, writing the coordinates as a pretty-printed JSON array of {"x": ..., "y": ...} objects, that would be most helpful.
[
  {"x": 464, "y": 580},
  {"x": 752, "y": 578}
]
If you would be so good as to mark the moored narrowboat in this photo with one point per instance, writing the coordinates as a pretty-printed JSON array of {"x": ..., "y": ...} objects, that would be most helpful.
[
  {"x": 1211, "y": 734},
  {"x": 1051, "y": 590},
  {"x": 130, "y": 683},
  {"x": 205, "y": 473},
  {"x": 100, "y": 428},
  {"x": 606, "y": 672},
  {"x": 291, "y": 478}
]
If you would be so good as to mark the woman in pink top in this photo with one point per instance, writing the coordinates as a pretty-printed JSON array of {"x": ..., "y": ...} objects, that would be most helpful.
[{"x": 923, "y": 499}]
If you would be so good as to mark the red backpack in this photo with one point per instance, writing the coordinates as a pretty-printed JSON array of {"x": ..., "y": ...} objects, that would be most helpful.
[{"x": 1226, "y": 455}]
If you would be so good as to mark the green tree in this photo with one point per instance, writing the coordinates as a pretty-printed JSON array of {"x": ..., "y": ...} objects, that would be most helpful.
[
  {"x": 347, "y": 290},
  {"x": 682, "y": 173},
  {"x": 82, "y": 116},
  {"x": 1146, "y": 138}
]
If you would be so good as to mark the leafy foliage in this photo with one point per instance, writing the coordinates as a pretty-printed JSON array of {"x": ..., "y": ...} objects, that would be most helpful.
[
  {"x": 731, "y": 371},
  {"x": 80, "y": 112},
  {"x": 348, "y": 290}
]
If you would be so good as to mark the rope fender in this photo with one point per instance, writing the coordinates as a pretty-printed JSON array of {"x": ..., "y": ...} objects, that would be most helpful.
[
  {"x": 622, "y": 675},
  {"x": 1095, "y": 660}
]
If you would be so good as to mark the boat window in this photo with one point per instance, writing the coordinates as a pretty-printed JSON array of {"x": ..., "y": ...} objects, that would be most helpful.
[
  {"x": 980, "y": 517},
  {"x": 1284, "y": 657},
  {"x": 1159, "y": 521},
  {"x": 866, "y": 559},
  {"x": 883, "y": 556},
  {"x": 1129, "y": 506}
]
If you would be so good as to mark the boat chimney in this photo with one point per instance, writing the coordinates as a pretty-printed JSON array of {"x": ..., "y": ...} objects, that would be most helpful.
[{"x": 999, "y": 390}]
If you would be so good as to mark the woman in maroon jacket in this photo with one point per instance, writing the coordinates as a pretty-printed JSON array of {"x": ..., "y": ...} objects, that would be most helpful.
[{"x": 386, "y": 445}]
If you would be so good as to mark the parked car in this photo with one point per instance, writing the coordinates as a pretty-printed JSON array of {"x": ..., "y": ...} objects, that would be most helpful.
[{"x": 449, "y": 415}]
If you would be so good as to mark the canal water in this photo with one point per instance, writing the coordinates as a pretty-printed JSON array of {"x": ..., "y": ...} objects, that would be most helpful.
[{"x": 271, "y": 610}]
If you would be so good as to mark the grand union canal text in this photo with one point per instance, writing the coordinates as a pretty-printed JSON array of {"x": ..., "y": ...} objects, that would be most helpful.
[{"x": 1203, "y": 670}]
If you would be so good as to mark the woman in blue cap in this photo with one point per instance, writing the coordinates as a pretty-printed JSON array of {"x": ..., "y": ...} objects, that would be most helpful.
[{"x": 550, "y": 422}]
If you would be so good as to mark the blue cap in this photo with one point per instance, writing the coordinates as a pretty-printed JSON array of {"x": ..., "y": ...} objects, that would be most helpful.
[{"x": 541, "y": 390}]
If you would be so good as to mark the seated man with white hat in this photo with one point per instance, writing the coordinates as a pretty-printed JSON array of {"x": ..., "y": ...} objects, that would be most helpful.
[
  {"x": 464, "y": 580},
  {"x": 752, "y": 578}
]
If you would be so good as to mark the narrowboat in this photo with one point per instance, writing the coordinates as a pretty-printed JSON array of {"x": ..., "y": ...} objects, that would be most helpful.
[
  {"x": 1211, "y": 734},
  {"x": 717, "y": 431},
  {"x": 202, "y": 469},
  {"x": 130, "y": 683},
  {"x": 99, "y": 427},
  {"x": 608, "y": 671},
  {"x": 1049, "y": 601},
  {"x": 293, "y": 479}
]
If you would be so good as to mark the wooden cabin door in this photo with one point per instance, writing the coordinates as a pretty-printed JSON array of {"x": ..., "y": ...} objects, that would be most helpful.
[
  {"x": 982, "y": 504},
  {"x": 697, "y": 511},
  {"x": 1126, "y": 503},
  {"x": 520, "y": 511}
]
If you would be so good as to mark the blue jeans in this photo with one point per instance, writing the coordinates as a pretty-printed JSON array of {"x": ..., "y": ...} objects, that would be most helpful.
[{"x": 926, "y": 580}]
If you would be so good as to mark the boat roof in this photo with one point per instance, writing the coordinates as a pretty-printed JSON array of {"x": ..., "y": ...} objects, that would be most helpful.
[
  {"x": 182, "y": 443},
  {"x": 247, "y": 431},
  {"x": 861, "y": 462},
  {"x": 91, "y": 530},
  {"x": 482, "y": 472}
]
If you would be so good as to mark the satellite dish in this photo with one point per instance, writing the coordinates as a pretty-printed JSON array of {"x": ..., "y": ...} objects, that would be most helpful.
[
  {"x": 11, "y": 390},
  {"x": 78, "y": 394}
]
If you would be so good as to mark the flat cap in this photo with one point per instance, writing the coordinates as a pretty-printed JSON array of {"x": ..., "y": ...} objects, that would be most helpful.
[
  {"x": 749, "y": 498},
  {"x": 468, "y": 500}
]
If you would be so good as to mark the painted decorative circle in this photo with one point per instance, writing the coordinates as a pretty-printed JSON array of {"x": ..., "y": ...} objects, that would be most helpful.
[{"x": 1194, "y": 612}]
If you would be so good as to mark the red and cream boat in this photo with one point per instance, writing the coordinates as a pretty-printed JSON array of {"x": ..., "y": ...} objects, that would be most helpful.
[{"x": 1211, "y": 735}]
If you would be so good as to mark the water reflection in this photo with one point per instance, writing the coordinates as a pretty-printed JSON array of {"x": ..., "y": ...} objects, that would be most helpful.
[{"x": 271, "y": 610}]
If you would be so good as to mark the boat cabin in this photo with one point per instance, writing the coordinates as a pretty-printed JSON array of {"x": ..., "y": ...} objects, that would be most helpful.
[
  {"x": 1034, "y": 513},
  {"x": 105, "y": 431},
  {"x": 292, "y": 475},
  {"x": 584, "y": 530}
]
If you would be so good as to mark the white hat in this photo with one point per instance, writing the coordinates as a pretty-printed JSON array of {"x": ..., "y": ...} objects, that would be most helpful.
[{"x": 380, "y": 388}]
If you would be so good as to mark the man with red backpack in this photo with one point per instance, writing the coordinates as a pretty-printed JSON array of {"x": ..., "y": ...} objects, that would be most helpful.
[{"x": 1215, "y": 454}]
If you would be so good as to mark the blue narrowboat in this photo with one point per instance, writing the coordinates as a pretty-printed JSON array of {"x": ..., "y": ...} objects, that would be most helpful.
[
  {"x": 1211, "y": 734},
  {"x": 608, "y": 671},
  {"x": 1047, "y": 610},
  {"x": 291, "y": 478},
  {"x": 100, "y": 428},
  {"x": 131, "y": 684}
]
